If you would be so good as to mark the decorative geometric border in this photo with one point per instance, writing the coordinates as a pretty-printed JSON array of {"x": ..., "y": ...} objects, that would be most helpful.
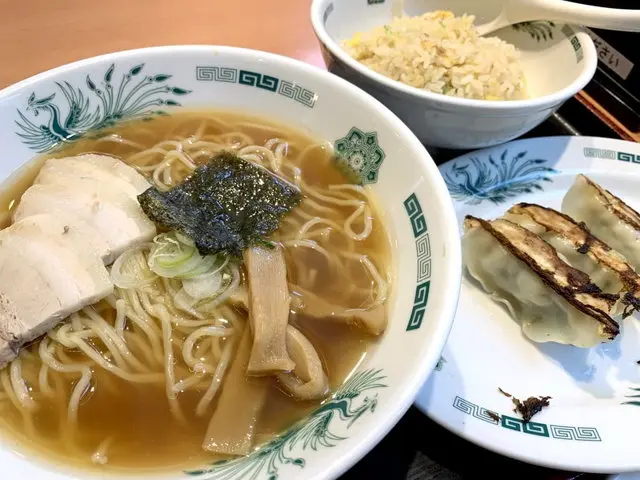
[
  {"x": 583, "y": 434},
  {"x": 475, "y": 411},
  {"x": 216, "y": 74},
  {"x": 591, "y": 152},
  {"x": 253, "y": 79},
  {"x": 532, "y": 428},
  {"x": 575, "y": 43},
  {"x": 423, "y": 254},
  {"x": 558, "y": 432},
  {"x": 291, "y": 90},
  {"x": 297, "y": 93}
]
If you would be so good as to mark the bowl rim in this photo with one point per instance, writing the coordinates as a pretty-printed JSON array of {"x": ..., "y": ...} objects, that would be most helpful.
[
  {"x": 588, "y": 71},
  {"x": 450, "y": 278}
]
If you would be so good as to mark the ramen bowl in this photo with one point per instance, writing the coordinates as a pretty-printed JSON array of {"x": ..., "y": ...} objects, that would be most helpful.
[
  {"x": 445, "y": 121},
  {"x": 72, "y": 109}
]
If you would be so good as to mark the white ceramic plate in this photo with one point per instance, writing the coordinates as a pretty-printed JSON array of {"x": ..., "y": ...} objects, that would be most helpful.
[{"x": 592, "y": 422}]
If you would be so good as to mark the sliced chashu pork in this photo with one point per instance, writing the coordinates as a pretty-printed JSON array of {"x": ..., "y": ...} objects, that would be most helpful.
[
  {"x": 61, "y": 171},
  {"x": 108, "y": 164},
  {"x": 95, "y": 200},
  {"x": 46, "y": 273}
]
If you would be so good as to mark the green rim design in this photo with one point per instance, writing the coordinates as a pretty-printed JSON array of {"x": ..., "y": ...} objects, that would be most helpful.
[
  {"x": 74, "y": 111},
  {"x": 423, "y": 258},
  {"x": 575, "y": 43},
  {"x": 345, "y": 407},
  {"x": 473, "y": 181},
  {"x": 558, "y": 432},
  {"x": 359, "y": 156},
  {"x": 248, "y": 78},
  {"x": 590, "y": 152},
  {"x": 541, "y": 31}
]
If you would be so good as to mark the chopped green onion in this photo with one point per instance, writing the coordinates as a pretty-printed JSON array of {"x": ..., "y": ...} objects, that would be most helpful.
[{"x": 206, "y": 280}]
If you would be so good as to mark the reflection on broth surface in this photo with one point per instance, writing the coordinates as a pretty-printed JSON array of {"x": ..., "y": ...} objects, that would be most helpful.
[{"x": 135, "y": 380}]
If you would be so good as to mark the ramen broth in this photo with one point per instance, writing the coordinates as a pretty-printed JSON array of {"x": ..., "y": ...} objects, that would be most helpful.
[{"x": 124, "y": 425}]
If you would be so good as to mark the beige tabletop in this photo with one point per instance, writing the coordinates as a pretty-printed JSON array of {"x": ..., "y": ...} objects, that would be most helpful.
[{"x": 36, "y": 35}]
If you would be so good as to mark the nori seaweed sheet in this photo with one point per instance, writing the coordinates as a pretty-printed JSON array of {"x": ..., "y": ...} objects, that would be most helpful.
[{"x": 225, "y": 206}]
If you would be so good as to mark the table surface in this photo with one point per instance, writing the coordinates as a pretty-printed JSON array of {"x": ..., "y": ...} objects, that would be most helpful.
[{"x": 36, "y": 35}]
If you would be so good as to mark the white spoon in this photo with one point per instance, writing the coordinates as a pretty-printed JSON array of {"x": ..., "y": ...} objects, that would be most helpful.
[{"x": 492, "y": 15}]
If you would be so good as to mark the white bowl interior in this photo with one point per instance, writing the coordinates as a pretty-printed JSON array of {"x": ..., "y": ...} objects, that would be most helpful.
[
  {"x": 541, "y": 44},
  {"x": 411, "y": 195}
]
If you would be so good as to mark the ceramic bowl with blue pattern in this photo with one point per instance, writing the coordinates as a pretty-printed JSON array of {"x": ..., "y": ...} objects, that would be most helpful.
[
  {"x": 68, "y": 104},
  {"x": 558, "y": 60}
]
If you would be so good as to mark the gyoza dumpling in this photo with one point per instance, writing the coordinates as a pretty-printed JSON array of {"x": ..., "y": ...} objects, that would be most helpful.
[
  {"x": 552, "y": 301},
  {"x": 606, "y": 216},
  {"x": 577, "y": 246}
]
